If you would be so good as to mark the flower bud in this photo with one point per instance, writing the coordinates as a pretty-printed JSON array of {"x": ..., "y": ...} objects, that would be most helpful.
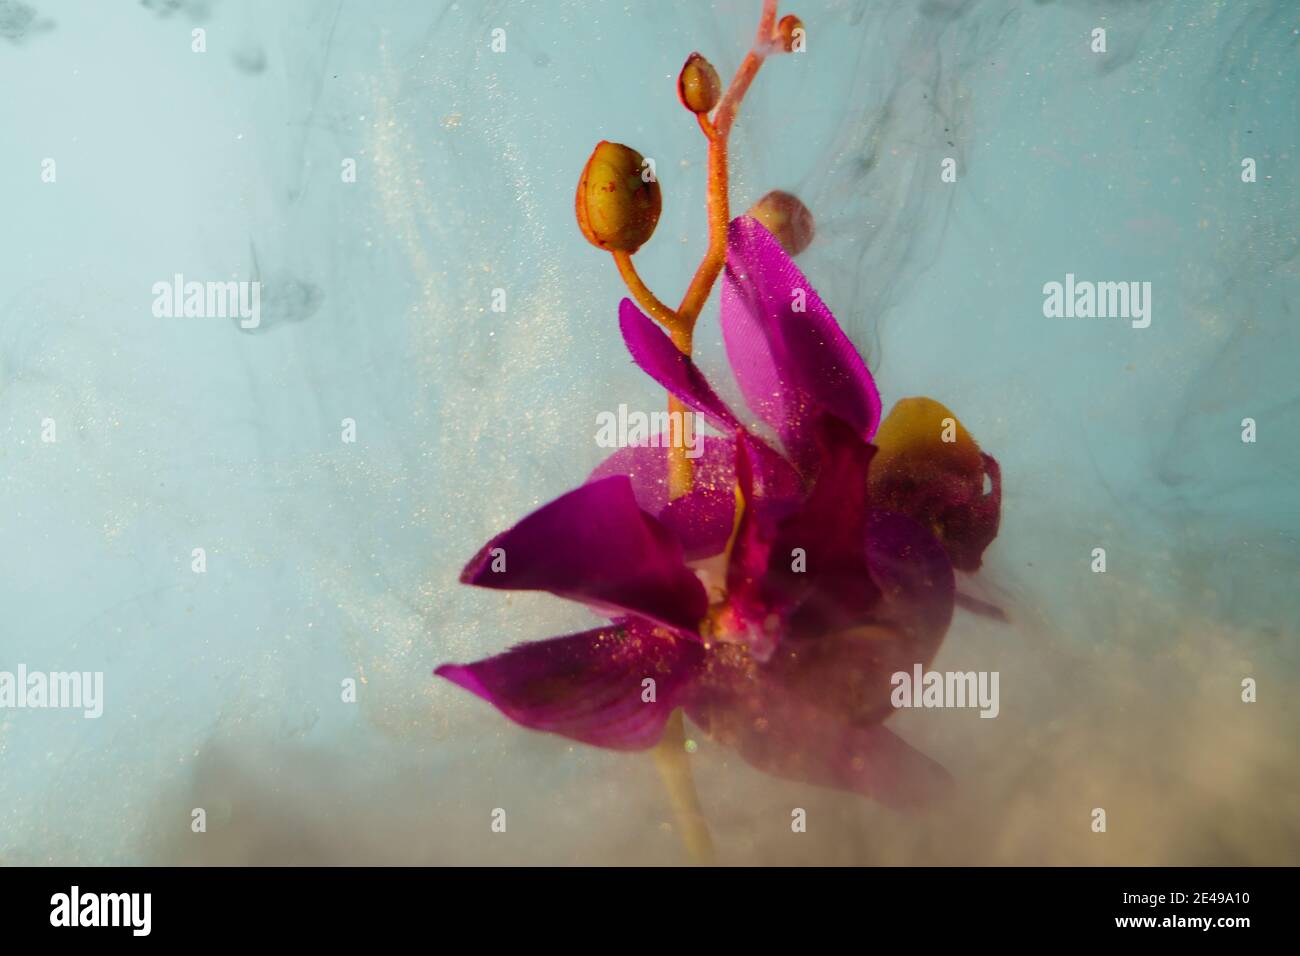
[
  {"x": 928, "y": 468},
  {"x": 785, "y": 32},
  {"x": 698, "y": 85},
  {"x": 618, "y": 198},
  {"x": 785, "y": 217}
]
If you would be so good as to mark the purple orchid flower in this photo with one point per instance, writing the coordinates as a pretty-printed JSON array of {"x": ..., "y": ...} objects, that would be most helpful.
[{"x": 774, "y": 600}]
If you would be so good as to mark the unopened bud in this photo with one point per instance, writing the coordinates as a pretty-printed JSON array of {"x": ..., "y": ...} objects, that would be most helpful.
[
  {"x": 618, "y": 200},
  {"x": 786, "y": 218},
  {"x": 698, "y": 85},
  {"x": 790, "y": 33}
]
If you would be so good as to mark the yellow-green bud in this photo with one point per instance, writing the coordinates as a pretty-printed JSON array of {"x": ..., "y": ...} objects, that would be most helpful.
[
  {"x": 618, "y": 200},
  {"x": 698, "y": 85}
]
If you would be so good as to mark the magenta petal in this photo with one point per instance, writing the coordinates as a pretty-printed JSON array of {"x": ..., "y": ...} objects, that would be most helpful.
[
  {"x": 647, "y": 467},
  {"x": 590, "y": 686},
  {"x": 702, "y": 519},
  {"x": 596, "y": 546},
  {"x": 754, "y": 602},
  {"x": 770, "y": 492},
  {"x": 653, "y": 350},
  {"x": 816, "y": 575},
  {"x": 777, "y": 487},
  {"x": 916, "y": 581},
  {"x": 888, "y": 612},
  {"x": 789, "y": 736},
  {"x": 907, "y": 606},
  {"x": 792, "y": 366}
]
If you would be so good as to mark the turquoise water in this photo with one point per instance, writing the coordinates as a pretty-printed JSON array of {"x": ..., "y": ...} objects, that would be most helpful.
[{"x": 329, "y": 560}]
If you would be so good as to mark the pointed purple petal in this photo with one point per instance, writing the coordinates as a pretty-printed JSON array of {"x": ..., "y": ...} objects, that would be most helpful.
[
  {"x": 653, "y": 350},
  {"x": 596, "y": 546},
  {"x": 792, "y": 366},
  {"x": 589, "y": 686}
]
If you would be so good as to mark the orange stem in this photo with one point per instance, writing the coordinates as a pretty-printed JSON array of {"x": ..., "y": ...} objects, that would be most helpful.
[{"x": 717, "y": 131}]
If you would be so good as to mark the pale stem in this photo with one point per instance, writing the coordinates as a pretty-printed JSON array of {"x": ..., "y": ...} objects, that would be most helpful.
[{"x": 675, "y": 769}]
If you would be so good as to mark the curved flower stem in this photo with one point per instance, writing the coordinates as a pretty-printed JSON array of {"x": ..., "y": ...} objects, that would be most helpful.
[
  {"x": 670, "y": 758},
  {"x": 697, "y": 293},
  {"x": 644, "y": 297}
]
